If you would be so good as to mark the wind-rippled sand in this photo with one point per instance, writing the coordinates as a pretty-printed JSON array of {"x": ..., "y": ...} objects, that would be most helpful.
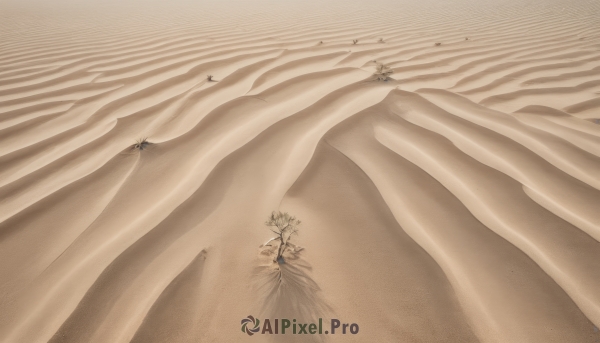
[{"x": 458, "y": 202}]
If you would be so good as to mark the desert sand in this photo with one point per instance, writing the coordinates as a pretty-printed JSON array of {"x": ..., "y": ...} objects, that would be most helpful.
[{"x": 458, "y": 201}]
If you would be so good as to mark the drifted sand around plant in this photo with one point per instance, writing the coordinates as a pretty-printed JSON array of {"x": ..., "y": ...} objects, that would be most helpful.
[{"x": 457, "y": 202}]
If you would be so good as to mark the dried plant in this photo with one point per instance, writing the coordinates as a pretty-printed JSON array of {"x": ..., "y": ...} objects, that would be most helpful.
[
  {"x": 209, "y": 78},
  {"x": 140, "y": 144},
  {"x": 283, "y": 226},
  {"x": 354, "y": 41},
  {"x": 381, "y": 40},
  {"x": 383, "y": 72},
  {"x": 438, "y": 44}
]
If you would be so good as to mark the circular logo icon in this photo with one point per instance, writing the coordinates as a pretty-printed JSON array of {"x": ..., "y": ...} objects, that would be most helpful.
[{"x": 252, "y": 322}]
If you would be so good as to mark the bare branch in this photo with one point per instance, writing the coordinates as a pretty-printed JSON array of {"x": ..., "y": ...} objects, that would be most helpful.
[
  {"x": 284, "y": 226},
  {"x": 270, "y": 240}
]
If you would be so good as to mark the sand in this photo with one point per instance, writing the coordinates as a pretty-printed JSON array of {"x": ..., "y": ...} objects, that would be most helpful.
[{"x": 456, "y": 202}]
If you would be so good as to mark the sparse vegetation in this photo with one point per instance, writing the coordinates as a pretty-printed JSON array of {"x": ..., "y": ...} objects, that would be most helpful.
[
  {"x": 209, "y": 78},
  {"x": 140, "y": 144},
  {"x": 321, "y": 42},
  {"x": 354, "y": 41},
  {"x": 381, "y": 40},
  {"x": 383, "y": 72},
  {"x": 466, "y": 38},
  {"x": 438, "y": 44},
  {"x": 284, "y": 226}
]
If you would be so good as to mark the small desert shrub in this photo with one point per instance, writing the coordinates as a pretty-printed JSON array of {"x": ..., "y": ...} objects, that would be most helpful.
[
  {"x": 209, "y": 78},
  {"x": 140, "y": 144},
  {"x": 354, "y": 41},
  {"x": 466, "y": 38},
  {"x": 283, "y": 226},
  {"x": 321, "y": 42},
  {"x": 381, "y": 40},
  {"x": 438, "y": 44},
  {"x": 383, "y": 72}
]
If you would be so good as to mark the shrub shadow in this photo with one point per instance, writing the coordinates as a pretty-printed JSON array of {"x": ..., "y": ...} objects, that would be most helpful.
[{"x": 286, "y": 290}]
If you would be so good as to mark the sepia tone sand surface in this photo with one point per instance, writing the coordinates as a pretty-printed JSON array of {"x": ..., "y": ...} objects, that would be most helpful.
[{"x": 458, "y": 201}]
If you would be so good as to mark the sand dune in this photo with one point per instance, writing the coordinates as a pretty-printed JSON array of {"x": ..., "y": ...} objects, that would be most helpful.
[{"x": 456, "y": 202}]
